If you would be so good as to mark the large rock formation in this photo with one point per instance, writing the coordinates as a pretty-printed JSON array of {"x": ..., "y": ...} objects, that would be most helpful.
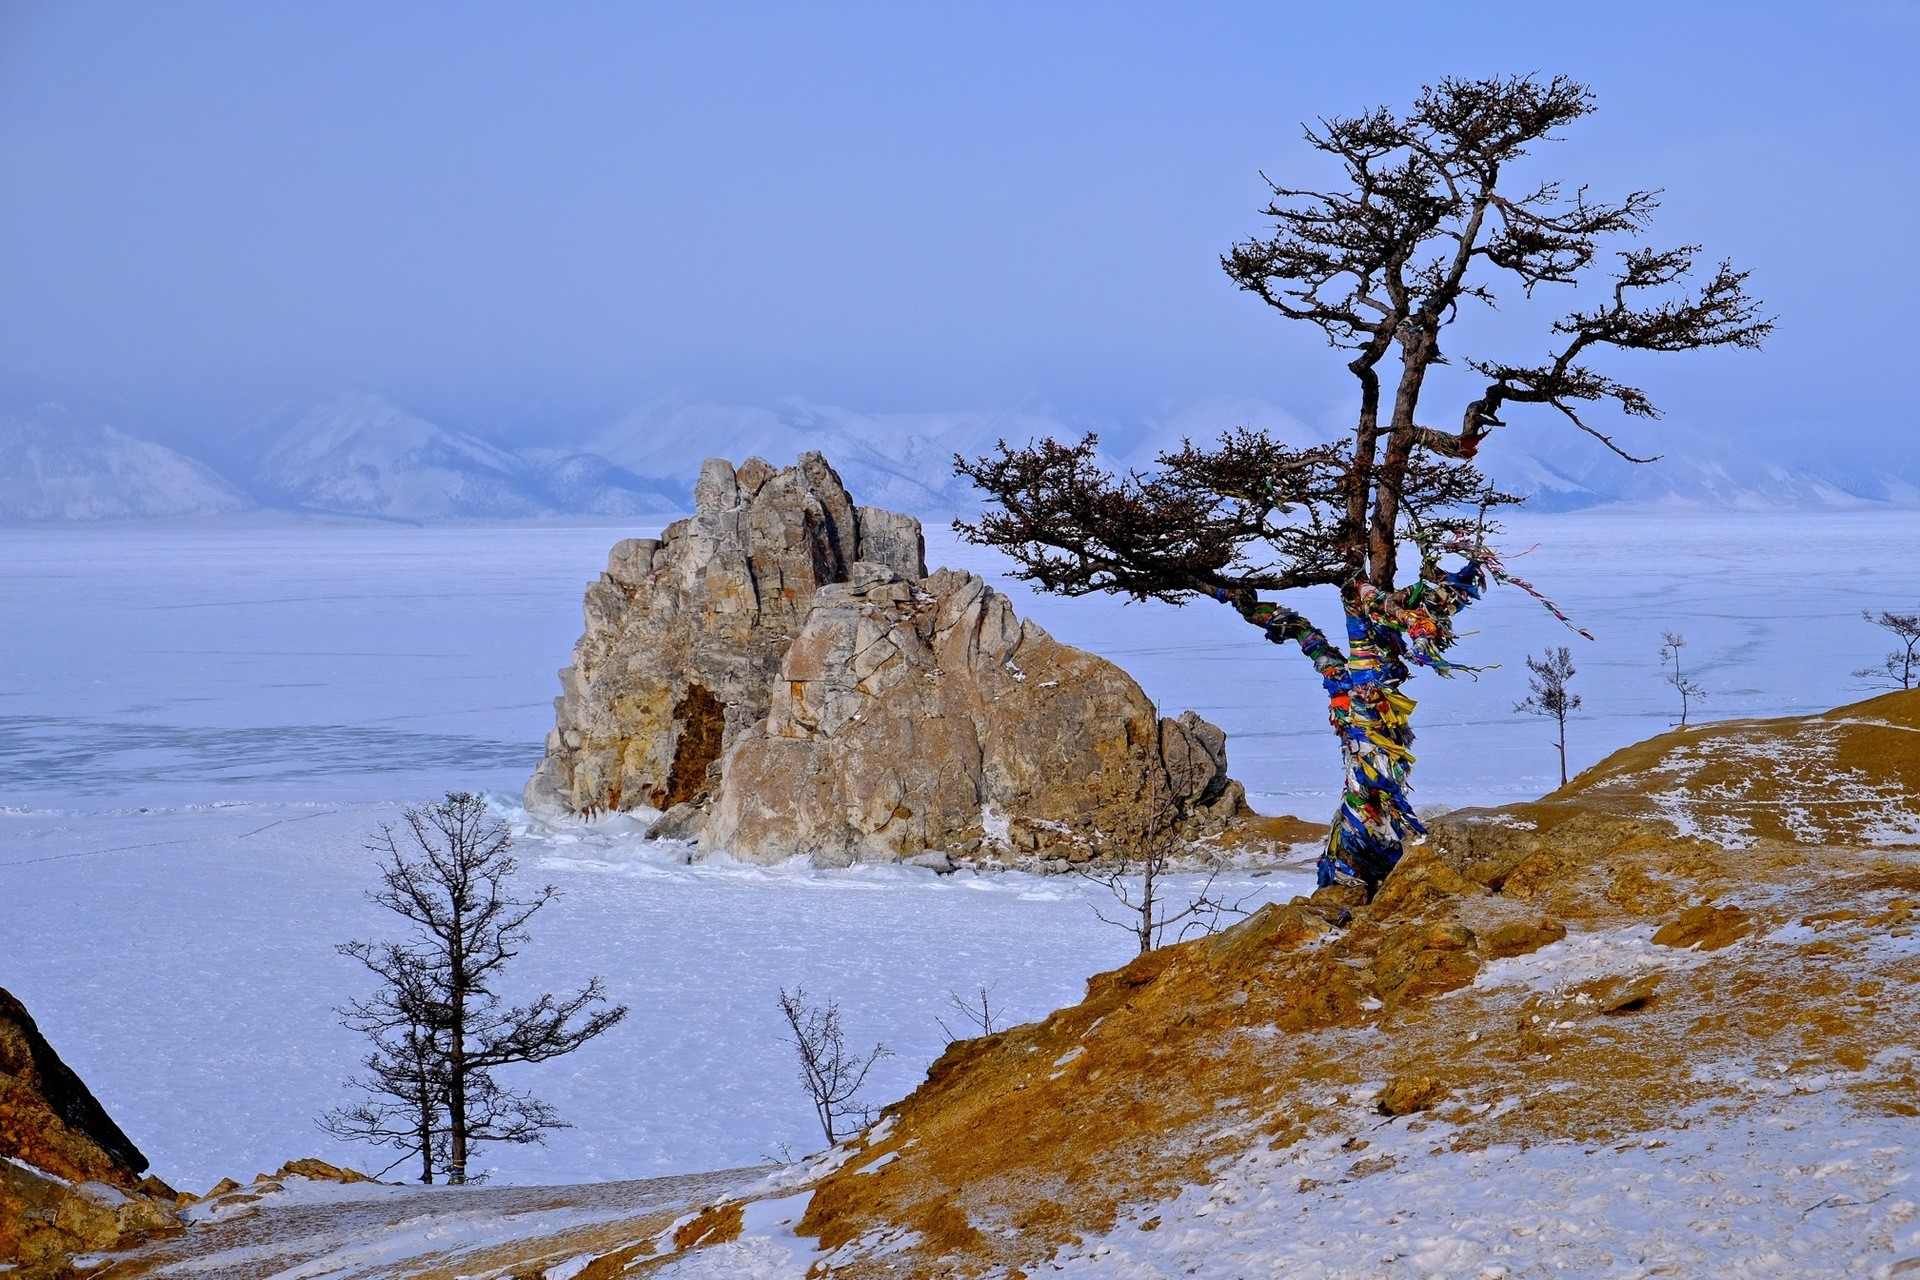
[
  {"x": 70, "y": 1180},
  {"x": 781, "y": 675},
  {"x": 912, "y": 717},
  {"x": 684, "y": 633}
]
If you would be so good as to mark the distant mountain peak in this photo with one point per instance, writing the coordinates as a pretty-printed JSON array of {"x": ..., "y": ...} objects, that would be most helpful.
[{"x": 55, "y": 466}]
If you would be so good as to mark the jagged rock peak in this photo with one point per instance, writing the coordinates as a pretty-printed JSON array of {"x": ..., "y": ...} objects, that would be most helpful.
[{"x": 685, "y": 632}]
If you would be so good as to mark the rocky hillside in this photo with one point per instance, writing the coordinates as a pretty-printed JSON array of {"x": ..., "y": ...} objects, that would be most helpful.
[{"x": 1571, "y": 1036}]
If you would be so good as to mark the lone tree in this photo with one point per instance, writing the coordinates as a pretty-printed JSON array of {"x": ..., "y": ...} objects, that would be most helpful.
[
  {"x": 439, "y": 1027},
  {"x": 1689, "y": 689},
  {"x": 830, "y": 1072},
  {"x": 1424, "y": 222},
  {"x": 1901, "y": 670},
  {"x": 1551, "y": 671},
  {"x": 1139, "y": 862}
]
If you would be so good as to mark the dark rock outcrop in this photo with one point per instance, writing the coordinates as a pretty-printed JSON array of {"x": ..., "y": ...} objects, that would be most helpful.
[{"x": 70, "y": 1179}]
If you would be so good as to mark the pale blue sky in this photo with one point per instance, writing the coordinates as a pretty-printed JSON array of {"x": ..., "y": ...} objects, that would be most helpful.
[{"x": 503, "y": 210}]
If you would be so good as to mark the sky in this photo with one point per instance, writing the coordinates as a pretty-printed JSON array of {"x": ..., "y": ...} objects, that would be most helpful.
[{"x": 529, "y": 217}]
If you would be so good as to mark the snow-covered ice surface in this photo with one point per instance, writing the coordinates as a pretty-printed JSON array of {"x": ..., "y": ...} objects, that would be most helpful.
[
  {"x": 182, "y": 960},
  {"x": 200, "y": 724},
  {"x": 160, "y": 664}
]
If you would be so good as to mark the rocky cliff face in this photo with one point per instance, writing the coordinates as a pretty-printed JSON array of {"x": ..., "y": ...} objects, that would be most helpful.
[
  {"x": 781, "y": 675},
  {"x": 912, "y": 717},
  {"x": 70, "y": 1180},
  {"x": 685, "y": 633}
]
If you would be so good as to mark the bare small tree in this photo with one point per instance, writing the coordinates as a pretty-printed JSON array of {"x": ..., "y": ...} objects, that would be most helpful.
[
  {"x": 1901, "y": 670},
  {"x": 977, "y": 1011},
  {"x": 831, "y": 1074},
  {"x": 1551, "y": 671},
  {"x": 1134, "y": 870},
  {"x": 405, "y": 1081},
  {"x": 1671, "y": 643},
  {"x": 440, "y": 1028}
]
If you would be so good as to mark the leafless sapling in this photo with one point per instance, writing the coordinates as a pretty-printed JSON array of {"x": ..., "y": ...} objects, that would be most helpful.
[
  {"x": 404, "y": 1084},
  {"x": 1901, "y": 670},
  {"x": 440, "y": 1026},
  {"x": 1550, "y": 697},
  {"x": 1428, "y": 215},
  {"x": 831, "y": 1073},
  {"x": 1689, "y": 689},
  {"x": 1134, "y": 868},
  {"x": 976, "y": 1012}
]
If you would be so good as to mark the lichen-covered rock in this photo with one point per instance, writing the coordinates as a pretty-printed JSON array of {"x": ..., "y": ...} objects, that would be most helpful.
[
  {"x": 917, "y": 716},
  {"x": 69, "y": 1178},
  {"x": 684, "y": 633}
]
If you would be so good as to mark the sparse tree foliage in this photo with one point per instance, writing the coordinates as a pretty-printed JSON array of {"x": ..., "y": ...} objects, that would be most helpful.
[
  {"x": 404, "y": 1081},
  {"x": 831, "y": 1073},
  {"x": 1901, "y": 670},
  {"x": 1671, "y": 643},
  {"x": 439, "y": 1026},
  {"x": 1426, "y": 219},
  {"x": 1550, "y": 697}
]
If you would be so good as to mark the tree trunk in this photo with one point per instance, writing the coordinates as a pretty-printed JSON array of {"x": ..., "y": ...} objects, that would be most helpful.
[
  {"x": 426, "y": 1157},
  {"x": 458, "y": 986},
  {"x": 1367, "y": 710},
  {"x": 1371, "y": 717},
  {"x": 1563, "y": 750}
]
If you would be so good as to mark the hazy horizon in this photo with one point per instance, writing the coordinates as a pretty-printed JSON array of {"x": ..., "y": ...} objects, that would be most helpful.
[{"x": 529, "y": 221}]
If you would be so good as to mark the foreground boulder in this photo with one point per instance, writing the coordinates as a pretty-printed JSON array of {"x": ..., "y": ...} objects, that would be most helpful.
[
  {"x": 70, "y": 1180},
  {"x": 779, "y": 674}
]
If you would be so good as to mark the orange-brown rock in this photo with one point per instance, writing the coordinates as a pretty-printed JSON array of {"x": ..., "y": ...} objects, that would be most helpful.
[
  {"x": 1411, "y": 1092},
  {"x": 1520, "y": 937},
  {"x": 1705, "y": 927},
  {"x": 713, "y": 1225},
  {"x": 1421, "y": 879},
  {"x": 1425, "y": 959}
]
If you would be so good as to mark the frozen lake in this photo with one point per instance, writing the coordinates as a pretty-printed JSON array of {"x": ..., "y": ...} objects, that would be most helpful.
[
  {"x": 162, "y": 666},
  {"x": 199, "y": 727}
]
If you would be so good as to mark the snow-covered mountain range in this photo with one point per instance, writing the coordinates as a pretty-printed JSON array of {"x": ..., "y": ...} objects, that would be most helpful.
[
  {"x": 57, "y": 466},
  {"x": 365, "y": 456}
]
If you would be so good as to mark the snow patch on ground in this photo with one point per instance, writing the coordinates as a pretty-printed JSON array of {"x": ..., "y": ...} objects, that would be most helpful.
[
  {"x": 1585, "y": 957},
  {"x": 1802, "y": 1187}
]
